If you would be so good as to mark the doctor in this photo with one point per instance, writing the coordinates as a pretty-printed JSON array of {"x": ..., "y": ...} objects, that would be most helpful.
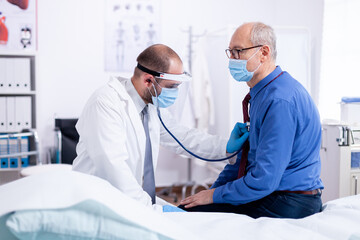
[{"x": 120, "y": 132}]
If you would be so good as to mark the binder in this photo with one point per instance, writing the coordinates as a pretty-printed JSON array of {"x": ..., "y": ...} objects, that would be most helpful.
[
  {"x": 24, "y": 148},
  {"x": 3, "y": 114},
  {"x": 27, "y": 120},
  {"x": 13, "y": 148},
  {"x": 21, "y": 74},
  {"x": 23, "y": 113},
  {"x": 2, "y": 74},
  {"x": 3, "y": 151},
  {"x": 14, "y": 163},
  {"x": 4, "y": 163},
  {"x": 10, "y": 112},
  {"x": 9, "y": 75}
]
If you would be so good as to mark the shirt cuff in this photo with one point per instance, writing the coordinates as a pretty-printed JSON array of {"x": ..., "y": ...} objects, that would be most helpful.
[
  {"x": 217, "y": 195},
  {"x": 232, "y": 160},
  {"x": 223, "y": 143}
]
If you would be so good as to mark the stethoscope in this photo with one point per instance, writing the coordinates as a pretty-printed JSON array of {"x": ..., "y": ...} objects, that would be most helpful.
[
  {"x": 187, "y": 150},
  {"x": 191, "y": 153}
]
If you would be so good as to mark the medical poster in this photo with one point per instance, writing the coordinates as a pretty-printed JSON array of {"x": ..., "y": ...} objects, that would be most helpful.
[
  {"x": 130, "y": 27},
  {"x": 17, "y": 25}
]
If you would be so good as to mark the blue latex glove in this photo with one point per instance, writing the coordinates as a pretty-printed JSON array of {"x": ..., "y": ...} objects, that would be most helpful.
[
  {"x": 169, "y": 208},
  {"x": 238, "y": 137}
]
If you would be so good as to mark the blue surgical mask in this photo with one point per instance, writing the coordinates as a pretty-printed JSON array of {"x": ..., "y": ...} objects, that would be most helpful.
[
  {"x": 166, "y": 98},
  {"x": 238, "y": 69}
]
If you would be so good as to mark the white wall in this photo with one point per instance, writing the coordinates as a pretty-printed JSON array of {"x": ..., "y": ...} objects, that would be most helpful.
[
  {"x": 214, "y": 15},
  {"x": 71, "y": 61},
  {"x": 340, "y": 59}
]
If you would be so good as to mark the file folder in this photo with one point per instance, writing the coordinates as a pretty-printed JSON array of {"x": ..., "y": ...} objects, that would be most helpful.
[
  {"x": 25, "y": 162},
  {"x": 21, "y": 74},
  {"x": 4, "y": 151},
  {"x": 3, "y": 114},
  {"x": 9, "y": 75},
  {"x": 24, "y": 148},
  {"x": 10, "y": 114},
  {"x": 23, "y": 113},
  {"x": 13, "y": 148},
  {"x": 4, "y": 163},
  {"x": 2, "y": 74},
  {"x": 14, "y": 163},
  {"x": 27, "y": 120}
]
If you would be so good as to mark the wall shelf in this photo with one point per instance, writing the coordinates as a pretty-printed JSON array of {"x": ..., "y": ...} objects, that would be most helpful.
[
  {"x": 31, "y": 93},
  {"x": 18, "y": 137},
  {"x": 17, "y": 53}
]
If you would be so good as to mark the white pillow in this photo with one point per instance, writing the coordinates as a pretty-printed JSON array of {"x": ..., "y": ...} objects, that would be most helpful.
[
  {"x": 86, "y": 220},
  {"x": 4, "y": 231},
  {"x": 64, "y": 189}
]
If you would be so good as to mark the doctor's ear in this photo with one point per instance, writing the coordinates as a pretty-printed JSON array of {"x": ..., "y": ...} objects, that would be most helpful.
[{"x": 148, "y": 79}]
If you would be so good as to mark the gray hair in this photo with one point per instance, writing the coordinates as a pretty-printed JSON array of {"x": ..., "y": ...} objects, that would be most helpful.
[{"x": 262, "y": 34}]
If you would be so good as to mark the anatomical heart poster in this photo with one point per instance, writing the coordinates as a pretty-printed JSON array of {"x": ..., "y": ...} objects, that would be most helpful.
[
  {"x": 130, "y": 27},
  {"x": 18, "y": 25}
]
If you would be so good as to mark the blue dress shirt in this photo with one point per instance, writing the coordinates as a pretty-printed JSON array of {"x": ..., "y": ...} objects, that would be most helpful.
[{"x": 285, "y": 139}]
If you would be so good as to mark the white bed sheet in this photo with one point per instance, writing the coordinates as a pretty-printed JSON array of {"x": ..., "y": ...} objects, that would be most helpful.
[{"x": 339, "y": 220}]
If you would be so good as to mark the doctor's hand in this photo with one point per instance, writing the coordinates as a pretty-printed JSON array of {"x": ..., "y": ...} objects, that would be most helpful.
[
  {"x": 201, "y": 198},
  {"x": 238, "y": 137},
  {"x": 169, "y": 208}
]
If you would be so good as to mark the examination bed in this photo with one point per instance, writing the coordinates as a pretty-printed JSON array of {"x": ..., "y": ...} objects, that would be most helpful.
[{"x": 72, "y": 205}]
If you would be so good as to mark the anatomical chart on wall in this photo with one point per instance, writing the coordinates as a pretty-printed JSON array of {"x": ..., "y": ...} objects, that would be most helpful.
[
  {"x": 17, "y": 25},
  {"x": 130, "y": 27}
]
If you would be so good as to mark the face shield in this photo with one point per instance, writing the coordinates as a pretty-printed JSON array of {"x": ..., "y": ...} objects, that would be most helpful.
[
  {"x": 184, "y": 77},
  {"x": 166, "y": 82},
  {"x": 182, "y": 101}
]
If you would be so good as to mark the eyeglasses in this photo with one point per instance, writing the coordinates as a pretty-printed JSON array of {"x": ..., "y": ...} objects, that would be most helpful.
[{"x": 235, "y": 53}]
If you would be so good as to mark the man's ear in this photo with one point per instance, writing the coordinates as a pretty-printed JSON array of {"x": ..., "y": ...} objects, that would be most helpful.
[
  {"x": 148, "y": 79},
  {"x": 265, "y": 52}
]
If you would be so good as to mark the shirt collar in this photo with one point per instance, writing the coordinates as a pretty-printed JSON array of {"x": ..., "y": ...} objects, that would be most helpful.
[
  {"x": 138, "y": 101},
  {"x": 260, "y": 85}
]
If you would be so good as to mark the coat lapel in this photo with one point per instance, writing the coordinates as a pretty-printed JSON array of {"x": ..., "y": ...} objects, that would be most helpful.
[{"x": 117, "y": 84}]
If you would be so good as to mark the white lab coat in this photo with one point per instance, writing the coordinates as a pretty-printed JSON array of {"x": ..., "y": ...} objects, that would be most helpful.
[{"x": 112, "y": 139}]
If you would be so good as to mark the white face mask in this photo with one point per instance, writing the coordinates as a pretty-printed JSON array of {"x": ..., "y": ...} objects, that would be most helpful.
[{"x": 238, "y": 69}]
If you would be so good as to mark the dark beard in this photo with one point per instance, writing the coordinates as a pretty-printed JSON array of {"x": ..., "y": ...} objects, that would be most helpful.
[{"x": 147, "y": 96}]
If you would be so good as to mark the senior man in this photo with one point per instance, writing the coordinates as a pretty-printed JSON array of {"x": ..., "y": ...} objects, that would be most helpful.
[
  {"x": 120, "y": 132},
  {"x": 278, "y": 172}
]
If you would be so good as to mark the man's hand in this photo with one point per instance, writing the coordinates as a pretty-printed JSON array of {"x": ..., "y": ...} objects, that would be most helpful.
[
  {"x": 237, "y": 138},
  {"x": 202, "y": 198}
]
